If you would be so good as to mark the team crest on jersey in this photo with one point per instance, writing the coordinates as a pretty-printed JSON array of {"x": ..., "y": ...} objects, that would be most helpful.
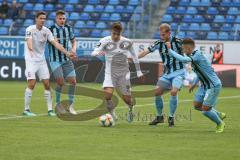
[
  {"x": 110, "y": 46},
  {"x": 44, "y": 35},
  {"x": 125, "y": 45},
  {"x": 98, "y": 45},
  {"x": 29, "y": 33}
]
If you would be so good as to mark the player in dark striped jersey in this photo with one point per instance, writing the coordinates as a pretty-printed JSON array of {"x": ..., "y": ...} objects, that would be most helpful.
[
  {"x": 172, "y": 78},
  {"x": 62, "y": 66}
]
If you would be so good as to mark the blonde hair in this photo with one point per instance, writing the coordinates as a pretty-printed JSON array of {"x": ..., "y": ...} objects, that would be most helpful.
[{"x": 166, "y": 27}]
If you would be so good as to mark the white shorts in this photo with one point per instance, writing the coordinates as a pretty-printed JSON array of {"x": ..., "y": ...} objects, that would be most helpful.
[
  {"x": 39, "y": 68},
  {"x": 120, "y": 82}
]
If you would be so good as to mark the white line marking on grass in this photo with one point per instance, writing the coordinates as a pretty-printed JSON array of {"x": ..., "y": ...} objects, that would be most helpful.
[{"x": 120, "y": 107}]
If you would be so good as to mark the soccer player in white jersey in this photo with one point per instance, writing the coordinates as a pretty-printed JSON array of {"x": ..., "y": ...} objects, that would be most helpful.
[
  {"x": 36, "y": 37},
  {"x": 116, "y": 49}
]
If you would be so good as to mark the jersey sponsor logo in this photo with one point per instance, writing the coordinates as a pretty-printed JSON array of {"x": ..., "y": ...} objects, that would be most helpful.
[
  {"x": 98, "y": 45},
  {"x": 110, "y": 46},
  {"x": 28, "y": 33},
  {"x": 125, "y": 45}
]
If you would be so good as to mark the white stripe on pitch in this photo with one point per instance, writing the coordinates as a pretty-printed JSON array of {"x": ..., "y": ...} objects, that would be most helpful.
[{"x": 120, "y": 107}]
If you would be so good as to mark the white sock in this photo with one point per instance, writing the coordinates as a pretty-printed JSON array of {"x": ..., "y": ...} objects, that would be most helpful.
[
  {"x": 27, "y": 98},
  {"x": 48, "y": 99},
  {"x": 71, "y": 106}
]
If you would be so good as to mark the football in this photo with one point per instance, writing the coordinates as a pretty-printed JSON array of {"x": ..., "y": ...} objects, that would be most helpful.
[{"x": 106, "y": 120}]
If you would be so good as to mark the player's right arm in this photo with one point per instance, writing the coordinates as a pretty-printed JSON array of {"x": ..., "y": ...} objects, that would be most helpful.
[
  {"x": 28, "y": 38},
  {"x": 60, "y": 47},
  {"x": 179, "y": 57},
  {"x": 143, "y": 53},
  {"x": 150, "y": 49},
  {"x": 57, "y": 45},
  {"x": 99, "y": 49}
]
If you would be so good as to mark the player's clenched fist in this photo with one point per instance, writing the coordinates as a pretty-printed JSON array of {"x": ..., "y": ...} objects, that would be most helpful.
[{"x": 168, "y": 45}]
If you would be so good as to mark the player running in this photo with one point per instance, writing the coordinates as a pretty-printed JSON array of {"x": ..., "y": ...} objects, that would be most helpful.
[
  {"x": 117, "y": 74},
  {"x": 61, "y": 66},
  {"x": 36, "y": 37},
  {"x": 206, "y": 96},
  {"x": 172, "y": 78}
]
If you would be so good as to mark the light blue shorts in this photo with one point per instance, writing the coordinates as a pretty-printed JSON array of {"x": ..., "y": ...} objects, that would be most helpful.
[
  {"x": 168, "y": 81},
  {"x": 62, "y": 69},
  {"x": 208, "y": 97}
]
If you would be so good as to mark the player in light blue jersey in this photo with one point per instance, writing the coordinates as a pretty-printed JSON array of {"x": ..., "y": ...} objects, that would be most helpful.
[
  {"x": 173, "y": 74},
  {"x": 206, "y": 96}
]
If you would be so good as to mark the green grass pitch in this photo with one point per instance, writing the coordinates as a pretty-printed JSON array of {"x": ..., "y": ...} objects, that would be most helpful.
[{"x": 49, "y": 138}]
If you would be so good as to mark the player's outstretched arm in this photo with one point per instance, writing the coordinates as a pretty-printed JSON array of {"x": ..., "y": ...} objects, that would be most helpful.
[
  {"x": 29, "y": 41},
  {"x": 143, "y": 53},
  {"x": 99, "y": 49},
  {"x": 74, "y": 46},
  {"x": 29, "y": 44},
  {"x": 179, "y": 57},
  {"x": 136, "y": 62},
  {"x": 150, "y": 49},
  {"x": 60, "y": 48}
]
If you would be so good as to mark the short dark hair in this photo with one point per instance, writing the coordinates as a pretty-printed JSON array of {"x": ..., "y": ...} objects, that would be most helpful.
[
  {"x": 188, "y": 41},
  {"x": 117, "y": 26},
  {"x": 39, "y": 13},
  {"x": 60, "y": 12}
]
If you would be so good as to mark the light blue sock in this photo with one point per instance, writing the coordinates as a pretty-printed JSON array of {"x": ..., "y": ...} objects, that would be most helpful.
[
  {"x": 218, "y": 113},
  {"x": 58, "y": 94},
  {"x": 71, "y": 92},
  {"x": 159, "y": 105},
  {"x": 211, "y": 114},
  {"x": 173, "y": 105}
]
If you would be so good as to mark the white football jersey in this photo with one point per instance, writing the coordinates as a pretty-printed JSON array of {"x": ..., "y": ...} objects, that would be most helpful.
[
  {"x": 116, "y": 55},
  {"x": 39, "y": 40}
]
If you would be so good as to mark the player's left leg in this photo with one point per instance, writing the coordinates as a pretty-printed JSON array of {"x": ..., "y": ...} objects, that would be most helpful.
[
  {"x": 177, "y": 83},
  {"x": 43, "y": 74},
  {"x": 210, "y": 100},
  {"x": 27, "y": 97},
  {"x": 70, "y": 75},
  {"x": 123, "y": 85},
  {"x": 108, "y": 93},
  {"x": 30, "y": 73},
  {"x": 129, "y": 101},
  {"x": 48, "y": 96}
]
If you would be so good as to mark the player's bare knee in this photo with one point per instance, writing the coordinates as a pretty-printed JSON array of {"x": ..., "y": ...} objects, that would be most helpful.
[
  {"x": 197, "y": 105},
  {"x": 72, "y": 81},
  {"x": 128, "y": 100},
  {"x": 158, "y": 92},
  {"x": 206, "y": 108},
  {"x": 46, "y": 84},
  {"x": 47, "y": 87},
  {"x": 60, "y": 82},
  {"x": 174, "y": 92},
  {"x": 31, "y": 84},
  {"x": 108, "y": 95}
]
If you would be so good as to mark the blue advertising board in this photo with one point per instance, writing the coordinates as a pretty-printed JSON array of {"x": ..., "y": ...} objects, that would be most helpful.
[{"x": 14, "y": 47}]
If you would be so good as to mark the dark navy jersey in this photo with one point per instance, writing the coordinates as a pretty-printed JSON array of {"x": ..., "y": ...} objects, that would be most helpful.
[
  {"x": 170, "y": 63},
  {"x": 64, "y": 35}
]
